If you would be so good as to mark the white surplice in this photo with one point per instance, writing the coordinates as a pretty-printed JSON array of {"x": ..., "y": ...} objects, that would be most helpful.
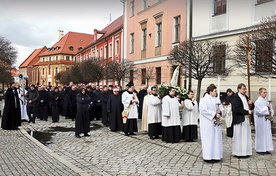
[
  {"x": 190, "y": 113},
  {"x": 263, "y": 135},
  {"x": 23, "y": 104},
  {"x": 154, "y": 109},
  {"x": 211, "y": 135},
  {"x": 126, "y": 100},
  {"x": 242, "y": 142},
  {"x": 170, "y": 111}
]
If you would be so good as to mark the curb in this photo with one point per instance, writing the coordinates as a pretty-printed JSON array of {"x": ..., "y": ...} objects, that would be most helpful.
[{"x": 53, "y": 154}]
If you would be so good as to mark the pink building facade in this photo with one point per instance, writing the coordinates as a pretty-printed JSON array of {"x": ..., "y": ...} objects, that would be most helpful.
[{"x": 151, "y": 29}]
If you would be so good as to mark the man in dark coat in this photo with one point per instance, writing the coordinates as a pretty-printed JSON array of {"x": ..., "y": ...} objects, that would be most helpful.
[
  {"x": 142, "y": 93},
  {"x": 98, "y": 108},
  {"x": 104, "y": 97},
  {"x": 43, "y": 103},
  {"x": 92, "y": 105},
  {"x": 32, "y": 98},
  {"x": 11, "y": 118},
  {"x": 115, "y": 108},
  {"x": 73, "y": 102}
]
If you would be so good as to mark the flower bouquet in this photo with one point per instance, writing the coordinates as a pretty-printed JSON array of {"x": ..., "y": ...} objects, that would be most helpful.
[{"x": 163, "y": 90}]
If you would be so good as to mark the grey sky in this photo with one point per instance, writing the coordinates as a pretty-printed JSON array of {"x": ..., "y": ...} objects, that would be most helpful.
[{"x": 31, "y": 24}]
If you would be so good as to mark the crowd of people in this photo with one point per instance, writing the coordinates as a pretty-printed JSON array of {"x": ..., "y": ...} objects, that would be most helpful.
[{"x": 161, "y": 116}]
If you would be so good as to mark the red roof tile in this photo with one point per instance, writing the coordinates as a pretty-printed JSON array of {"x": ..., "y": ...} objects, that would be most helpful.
[
  {"x": 71, "y": 39},
  {"x": 33, "y": 57}
]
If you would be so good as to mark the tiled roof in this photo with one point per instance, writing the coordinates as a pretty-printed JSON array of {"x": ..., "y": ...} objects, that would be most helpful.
[
  {"x": 108, "y": 30},
  {"x": 33, "y": 57},
  {"x": 71, "y": 43}
]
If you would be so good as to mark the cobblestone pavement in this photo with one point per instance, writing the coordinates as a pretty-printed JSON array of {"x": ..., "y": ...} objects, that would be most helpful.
[{"x": 109, "y": 153}]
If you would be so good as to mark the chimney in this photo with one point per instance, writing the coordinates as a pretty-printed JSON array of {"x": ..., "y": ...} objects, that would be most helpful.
[{"x": 60, "y": 34}]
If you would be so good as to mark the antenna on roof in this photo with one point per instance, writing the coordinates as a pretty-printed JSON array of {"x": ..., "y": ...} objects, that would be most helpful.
[{"x": 110, "y": 19}]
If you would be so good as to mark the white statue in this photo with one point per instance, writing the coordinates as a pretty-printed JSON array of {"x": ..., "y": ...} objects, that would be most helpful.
[{"x": 175, "y": 76}]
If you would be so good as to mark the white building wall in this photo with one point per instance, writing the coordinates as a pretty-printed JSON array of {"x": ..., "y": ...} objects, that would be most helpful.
[{"x": 227, "y": 27}]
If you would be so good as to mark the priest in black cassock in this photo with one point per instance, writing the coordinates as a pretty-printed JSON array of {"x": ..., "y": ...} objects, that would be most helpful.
[
  {"x": 11, "y": 118},
  {"x": 82, "y": 124},
  {"x": 115, "y": 108}
]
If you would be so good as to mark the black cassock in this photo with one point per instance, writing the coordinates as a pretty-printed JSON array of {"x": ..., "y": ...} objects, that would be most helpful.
[
  {"x": 115, "y": 108},
  {"x": 82, "y": 118},
  {"x": 12, "y": 113}
]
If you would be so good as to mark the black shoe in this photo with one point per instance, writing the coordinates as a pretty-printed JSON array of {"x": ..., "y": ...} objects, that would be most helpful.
[
  {"x": 157, "y": 137},
  {"x": 126, "y": 134},
  {"x": 151, "y": 137},
  {"x": 132, "y": 134},
  {"x": 33, "y": 121},
  {"x": 78, "y": 136},
  {"x": 73, "y": 119},
  {"x": 86, "y": 134}
]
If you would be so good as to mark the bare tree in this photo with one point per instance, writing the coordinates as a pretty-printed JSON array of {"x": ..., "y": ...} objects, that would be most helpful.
[
  {"x": 119, "y": 70},
  {"x": 63, "y": 77},
  {"x": 259, "y": 43},
  {"x": 146, "y": 74},
  {"x": 92, "y": 71},
  {"x": 206, "y": 58},
  {"x": 75, "y": 73},
  {"x": 8, "y": 55}
]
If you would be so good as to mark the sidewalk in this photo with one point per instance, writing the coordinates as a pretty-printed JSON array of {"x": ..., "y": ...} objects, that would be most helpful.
[{"x": 109, "y": 153}]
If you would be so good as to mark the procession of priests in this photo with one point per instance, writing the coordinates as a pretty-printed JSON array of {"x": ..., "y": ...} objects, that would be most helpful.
[{"x": 169, "y": 117}]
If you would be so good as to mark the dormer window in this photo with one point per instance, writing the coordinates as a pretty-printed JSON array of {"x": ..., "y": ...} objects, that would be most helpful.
[
  {"x": 49, "y": 49},
  {"x": 80, "y": 48},
  {"x": 71, "y": 48}
]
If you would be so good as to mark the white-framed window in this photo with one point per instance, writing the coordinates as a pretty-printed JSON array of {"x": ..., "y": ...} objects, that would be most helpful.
[
  {"x": 101, "y": 52},
  {"x": 144, "y": 39},
  {"x": 219, "y": 58},
  {"x": 132, "y": 8},
  {"x": 97, "y": 53},
  {"x": 176, "y": 29},
  {"x": 117, "y": 47},
  {"x": 132, "y": 43},
  {"x": 158, "y": 34},
  {"x": 110, "y": 54},
  {"x": 219, "y": 7},
  {"x": 144, "y": 4},
  {"x": 105, "y": 50}
]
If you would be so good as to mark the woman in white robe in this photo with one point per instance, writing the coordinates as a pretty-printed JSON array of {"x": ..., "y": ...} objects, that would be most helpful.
[
  {"x": 190, "y": 118},
  {"x": 263, "y": 135},
  {"x": 129, "y": 98},
  {"x": 211, "y": 110},
  {"x": 154, "y": 114},
  {"x": 171, "y": 130}
]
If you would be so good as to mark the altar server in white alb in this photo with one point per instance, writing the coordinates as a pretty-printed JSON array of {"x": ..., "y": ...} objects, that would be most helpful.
[
  {"x": 190, "y": 118},
  {"x": 263, "y": 114},
  {"x": 130, "y": 100},
  {"x": 171, "y": 130},
  {"x": 211, "y": 111},
  {"x": 154, "y": 114}
]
